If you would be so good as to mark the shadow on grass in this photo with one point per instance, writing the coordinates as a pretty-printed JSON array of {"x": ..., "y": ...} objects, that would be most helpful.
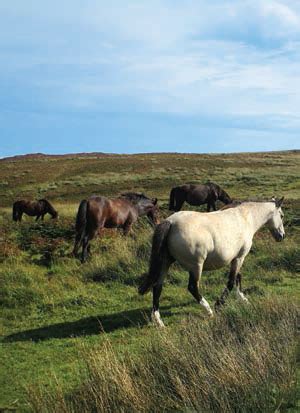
[{"x": 88, "y": 326}]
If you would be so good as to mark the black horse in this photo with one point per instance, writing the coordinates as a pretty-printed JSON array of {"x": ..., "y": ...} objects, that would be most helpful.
[
  {"x": 99, "y": 212},
  {"x": 33, "y": 208},
  {"x": 197, "y": 195}
]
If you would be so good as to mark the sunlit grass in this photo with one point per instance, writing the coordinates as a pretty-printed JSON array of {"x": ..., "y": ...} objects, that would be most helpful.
[{"x": 54, "y": 311}]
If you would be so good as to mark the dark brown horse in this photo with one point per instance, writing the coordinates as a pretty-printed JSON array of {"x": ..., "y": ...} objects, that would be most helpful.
[
  {"x": 33, "y": 208},
  {"x": 197, "y": 195},
  {"x": 146, "y": 206},
  {"x": 98, "y": 212}
]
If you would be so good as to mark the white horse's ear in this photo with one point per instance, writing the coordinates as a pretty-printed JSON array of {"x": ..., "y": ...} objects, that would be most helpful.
[
  {"x": 273, "y": 198},
  {"x": 279, "y": 202}
]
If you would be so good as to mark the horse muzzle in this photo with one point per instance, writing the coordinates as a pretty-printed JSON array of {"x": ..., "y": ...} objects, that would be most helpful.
[{"x": 279, "y": 237}]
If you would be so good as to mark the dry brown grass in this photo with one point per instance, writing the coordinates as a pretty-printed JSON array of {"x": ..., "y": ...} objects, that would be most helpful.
[{"x": 242, "y": 361}]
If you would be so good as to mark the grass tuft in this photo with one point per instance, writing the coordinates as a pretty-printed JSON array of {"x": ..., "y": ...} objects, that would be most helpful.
[{"x": 242, "y": 361}]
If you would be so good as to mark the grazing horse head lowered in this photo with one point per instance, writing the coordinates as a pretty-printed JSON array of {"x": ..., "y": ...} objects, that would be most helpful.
[
  {"x": 220, "y": 193},
  {"x": 145, "y": 206},
  {"x": 197, "y": 195},
  {"x": 206, "y": 242},
  {"x": 33, "y": 208},
  {"x": 48, "y": 208}
]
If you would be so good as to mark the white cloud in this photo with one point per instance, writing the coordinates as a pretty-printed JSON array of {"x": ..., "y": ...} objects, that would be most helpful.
[
  {"x": 217, "y": 59},
  {"x": 281, "y": 13}
]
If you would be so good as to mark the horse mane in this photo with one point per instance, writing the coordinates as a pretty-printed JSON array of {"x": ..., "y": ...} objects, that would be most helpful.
[
  {"x": 214, "y": 186},
  {"x": 134, "y": 197},
  {"x": 47, "y": 203},
  {"x": 244, "y": 201},
  {"x": 235, "y": 203}
]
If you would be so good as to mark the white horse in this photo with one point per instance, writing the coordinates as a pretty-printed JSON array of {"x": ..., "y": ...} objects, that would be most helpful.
[{"x": 207, "y": 241}]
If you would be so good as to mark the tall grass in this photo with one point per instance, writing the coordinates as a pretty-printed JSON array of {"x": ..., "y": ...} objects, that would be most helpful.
[
  {"x": 51, "y": 304},
  {"x": 242, "y": 361}
]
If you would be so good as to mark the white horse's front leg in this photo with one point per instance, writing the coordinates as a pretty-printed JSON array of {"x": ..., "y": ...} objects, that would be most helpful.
[
  {"x": 156, "y": 319},
  {"x": 207, "y": 307},
  {"x": 193, "y": 288},
  {"x": 239, "y": 293}
]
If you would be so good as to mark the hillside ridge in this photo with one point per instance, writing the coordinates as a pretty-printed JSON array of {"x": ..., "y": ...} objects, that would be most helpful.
[{"x": 40, "y": 155}]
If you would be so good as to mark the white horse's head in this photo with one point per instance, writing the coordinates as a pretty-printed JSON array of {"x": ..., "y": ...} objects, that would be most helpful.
[{"x": 275, "y": 223}]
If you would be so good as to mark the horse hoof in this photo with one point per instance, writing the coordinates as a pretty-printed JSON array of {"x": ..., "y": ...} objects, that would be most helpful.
[
  {"x": 218, "y": 305},
  {"x": 156, "y": 319},
  {"x": 242, "y": 297}
]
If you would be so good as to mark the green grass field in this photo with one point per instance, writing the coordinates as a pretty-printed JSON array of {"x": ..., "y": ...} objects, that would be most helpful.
[{"x": 60, "y": 319}]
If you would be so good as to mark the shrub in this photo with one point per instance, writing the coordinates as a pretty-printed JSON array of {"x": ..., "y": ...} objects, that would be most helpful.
[{"x": 45, "y": 242}]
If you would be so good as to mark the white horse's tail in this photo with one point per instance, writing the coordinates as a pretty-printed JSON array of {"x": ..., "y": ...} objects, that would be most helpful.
[{"x": 158, "y": 254}]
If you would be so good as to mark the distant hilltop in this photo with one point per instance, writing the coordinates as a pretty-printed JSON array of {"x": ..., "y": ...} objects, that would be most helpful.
[{"x": 40, "y": 155}]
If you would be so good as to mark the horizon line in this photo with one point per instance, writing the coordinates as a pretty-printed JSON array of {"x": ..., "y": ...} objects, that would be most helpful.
[{"x": 100, "y": 153}]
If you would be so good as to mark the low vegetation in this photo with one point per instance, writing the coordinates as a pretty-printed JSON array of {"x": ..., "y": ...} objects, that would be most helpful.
[
  {"x": 77, "y": 337},
  {"x": 243, "y": 360}
]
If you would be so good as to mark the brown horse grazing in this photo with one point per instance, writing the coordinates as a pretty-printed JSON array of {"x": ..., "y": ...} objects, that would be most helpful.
[
  {"x": 33, "y": 208},
  {"x": 197, "y": 195},
  {"x": 100, "y": 212},
  {"x": 140, "y": 200}
]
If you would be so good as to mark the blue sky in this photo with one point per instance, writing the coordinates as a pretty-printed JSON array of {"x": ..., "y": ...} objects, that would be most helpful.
[{"x": 149, "y": 76}]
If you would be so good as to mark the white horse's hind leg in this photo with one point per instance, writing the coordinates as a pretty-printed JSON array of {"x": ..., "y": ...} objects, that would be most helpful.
[
  {"x": 157, "y": 288},
  {"x": 193, "y": 288},
  {"x": 232, "y": 281},
  {"x": 241, "y": 295}
]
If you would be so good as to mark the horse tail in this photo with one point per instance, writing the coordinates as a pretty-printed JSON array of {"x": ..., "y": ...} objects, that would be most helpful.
[
  {"x": 172, "y": 199},
  {"x": 81, "y": 220},
  {"x": 158, "y": 254},
  {"x": 15, "y": 214}
]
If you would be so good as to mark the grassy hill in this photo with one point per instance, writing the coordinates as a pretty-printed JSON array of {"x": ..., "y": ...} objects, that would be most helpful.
[{"x": 70, "y": 332}]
